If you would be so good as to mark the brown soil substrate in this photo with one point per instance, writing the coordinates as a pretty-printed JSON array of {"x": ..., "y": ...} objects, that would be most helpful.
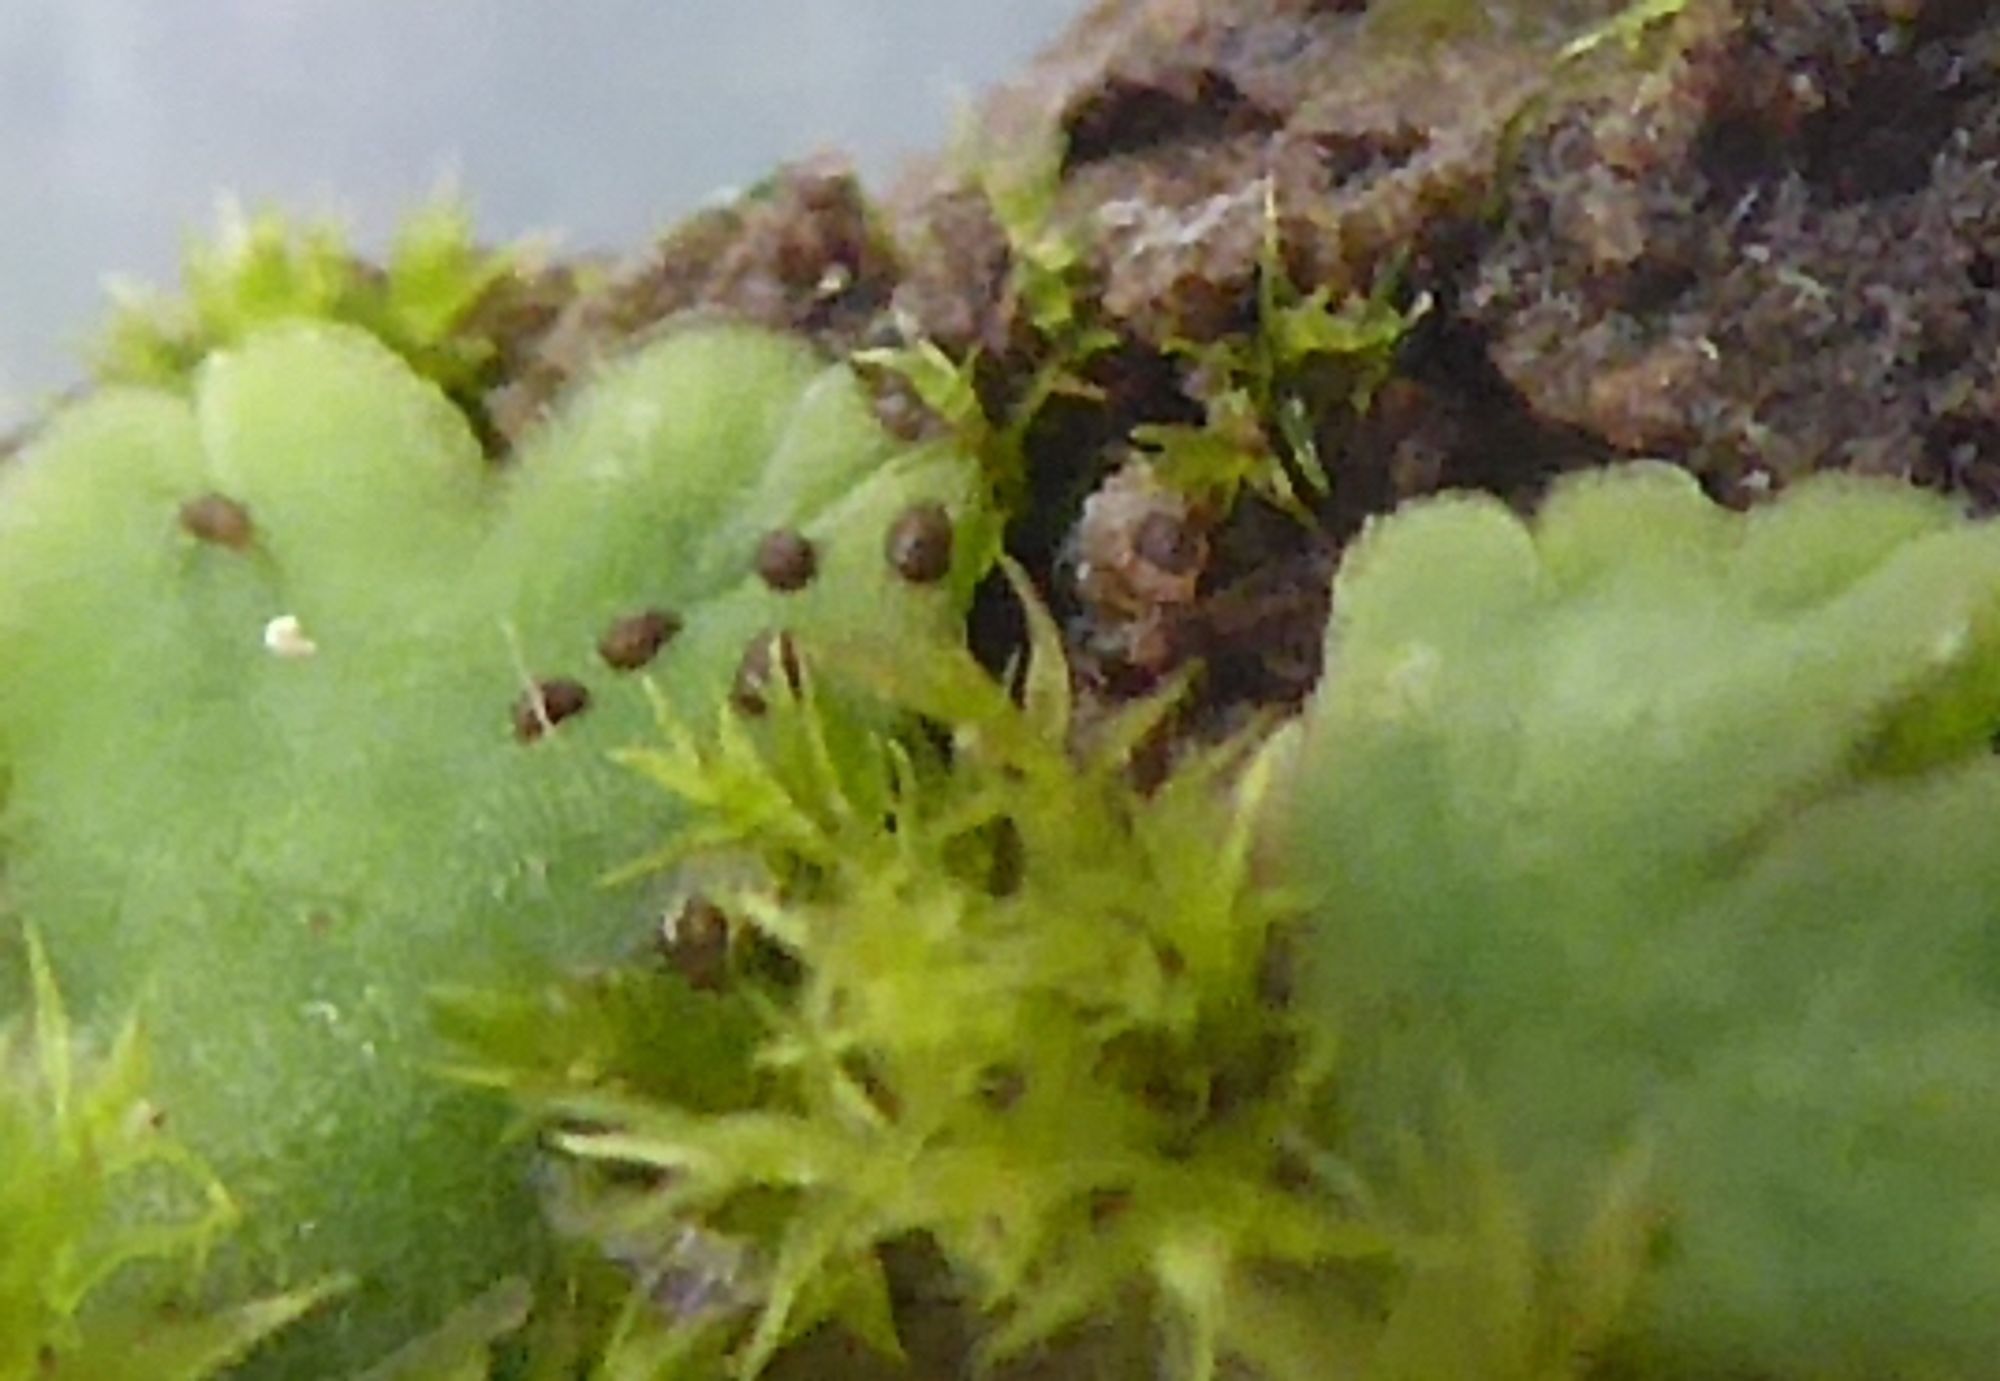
[{"x": 1768, "y": 244}]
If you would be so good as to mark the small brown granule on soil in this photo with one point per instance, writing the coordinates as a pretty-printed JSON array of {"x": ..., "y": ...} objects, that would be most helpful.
[
  {"x": 1139, "y": 554},
  {"x": 801, "y": 253}
]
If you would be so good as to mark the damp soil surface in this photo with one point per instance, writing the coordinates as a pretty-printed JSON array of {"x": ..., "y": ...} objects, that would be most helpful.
[{"x": 1761, "y": 241}]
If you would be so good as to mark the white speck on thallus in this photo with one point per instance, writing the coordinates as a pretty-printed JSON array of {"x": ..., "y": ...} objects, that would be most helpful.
[{"x": 286, "y": 637}]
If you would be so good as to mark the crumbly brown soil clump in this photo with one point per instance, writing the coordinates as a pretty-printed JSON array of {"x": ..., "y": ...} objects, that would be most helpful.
[
  {"x": 801, "y": 253},
  {"x": 1763, "y": 241},
  {"x": 1780, "y": 258}
]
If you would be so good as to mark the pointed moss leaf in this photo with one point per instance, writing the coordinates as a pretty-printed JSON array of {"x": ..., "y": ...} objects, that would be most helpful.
[
  {"x": 262, "y": 270},
  {"x": 1045, "y": 694},
  {"x": 1023, "y": 1020},
  {"x": 459, "y": 1348},
  {"x": 109, "y": 1223},
  {"x": 437, "y": 274},
  {"x": 52, "y": 1036},
  {"x": 629, "y": 1029},
  {"x": 941, "y": 384},
  {"x": 1671, "y": 828},
  {"x": 191, "y": 1350},
  {"x": 1628, "y": 27},
  {"x": 283, "y": 762},
  {"x": 856, "y": 1299}
]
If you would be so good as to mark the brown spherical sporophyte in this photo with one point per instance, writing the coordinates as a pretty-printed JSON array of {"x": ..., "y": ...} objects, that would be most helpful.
[
  {"x": 1002, "y": 1086},
  {"x": 546, "y": 705},
  {"x": 786, "y": 560},
  {"x": 919, "y": 543},
  {"x": 769, "y": 655},
  {"x": 695, "y": 940},
  {"x": 634, "y": 640},
  {"x": 218, "y": 520}
]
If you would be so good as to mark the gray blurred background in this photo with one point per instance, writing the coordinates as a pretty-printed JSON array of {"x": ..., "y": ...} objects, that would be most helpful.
[{"x": 122, "y": 121}]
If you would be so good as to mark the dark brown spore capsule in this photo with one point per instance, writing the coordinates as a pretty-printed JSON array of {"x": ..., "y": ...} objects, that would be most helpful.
[
  {"x": 547, "y": 705},
  {"x": 766, "y": 654},
  {"x": 1001, "y": 1087},
  {"x": 919, "y": 543},
  {"x": 218, "y": 520},
  {"x": 873, "y": 1086},
  {"x": 786, "y": 560},
  {"x": 633, "y": 641},
  {"x": 696, "y": 942},
  {"x": 1107, "y": 1205}
]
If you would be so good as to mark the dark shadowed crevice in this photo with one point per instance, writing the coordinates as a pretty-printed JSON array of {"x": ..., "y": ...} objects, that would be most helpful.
[
  {"x": 1655, "y": 283},
  {"x": 1348, "y": 157},
  {"x": 1962, "y": 455},
  {"x": 1882, "y": 140},
  {"x": 1070, "y": 446},
  {"x": 1501, "y": 444},
  {"x": 1860, "y": 117},
  {"x": 1130, "y": 115}
]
